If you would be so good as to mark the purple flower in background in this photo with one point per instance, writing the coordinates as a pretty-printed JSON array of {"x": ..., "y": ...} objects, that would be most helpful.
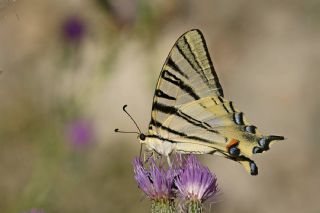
[
  {"x": 73, "y": 29},
  {"x": 80, "y": 133},
  {"x": 195, "y": 182},
  {"x": 35, "y": 211},
  {"x": 155, "y": 182}
]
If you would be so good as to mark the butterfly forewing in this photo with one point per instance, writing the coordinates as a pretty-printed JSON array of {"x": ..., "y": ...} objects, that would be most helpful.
[{"x": 186, "y": 76}]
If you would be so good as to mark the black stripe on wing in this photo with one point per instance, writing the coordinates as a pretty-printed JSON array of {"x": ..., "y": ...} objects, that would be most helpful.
[
  {"x": 170, "y": 63},
  {"x": 159, "y": 125},
  {"x": 161, "y": 94},
  {"x": 168, "y": 76},
  {"x": 231, "y": 106},
  {"x": 252, "y": 165},
  {"x": 175, "y": 111},
  {"x": 213, "y": 72},
  {"x": 195, "y": 58},
  {"x": 184, "y": 48}
]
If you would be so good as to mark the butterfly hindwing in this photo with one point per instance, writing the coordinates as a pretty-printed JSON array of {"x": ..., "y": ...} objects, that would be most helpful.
[
  {"x": 205, "y": 122},
  {"x": 213, "y": 124}
]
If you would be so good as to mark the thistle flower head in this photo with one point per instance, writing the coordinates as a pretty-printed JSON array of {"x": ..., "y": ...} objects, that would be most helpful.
[
  {"x": 195, "y": 182},
  {"x": 154, "y": 181}
]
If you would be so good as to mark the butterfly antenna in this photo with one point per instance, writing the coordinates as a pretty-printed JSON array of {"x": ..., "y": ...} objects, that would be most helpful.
[
  {"x": 124, "y": 109},
  {"x": 117, "y": 130}
]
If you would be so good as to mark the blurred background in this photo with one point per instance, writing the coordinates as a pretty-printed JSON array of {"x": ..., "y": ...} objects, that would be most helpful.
[{"x": 68, "y": 67}]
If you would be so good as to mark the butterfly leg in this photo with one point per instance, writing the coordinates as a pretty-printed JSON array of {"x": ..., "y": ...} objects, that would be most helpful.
[
  {"x": 157, "y": 156},
  {"x": 140, "y": 153},
  {"x": 169, "y": 161},
  {"x": 147, "y": 156}
]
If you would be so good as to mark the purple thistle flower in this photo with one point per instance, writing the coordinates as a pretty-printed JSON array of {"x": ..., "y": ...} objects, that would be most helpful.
[
  {"x": 155, "y": 182},
  {"x": 73, "y": 29},
  {"x": 195, "y": 182},
  {"x": 80, "y": 133}
]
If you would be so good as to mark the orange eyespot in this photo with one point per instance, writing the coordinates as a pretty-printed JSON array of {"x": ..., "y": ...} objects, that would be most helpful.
[
  {"x": 232, "y": 148},
  {"x": 231, "y": 143}
]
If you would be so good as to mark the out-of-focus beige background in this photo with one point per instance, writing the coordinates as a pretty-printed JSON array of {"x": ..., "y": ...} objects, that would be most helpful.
[{"x": 56, "y": 86}]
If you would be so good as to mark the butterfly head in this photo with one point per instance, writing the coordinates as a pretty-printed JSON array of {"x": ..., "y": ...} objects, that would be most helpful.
[{"x": 142, "y": 137}]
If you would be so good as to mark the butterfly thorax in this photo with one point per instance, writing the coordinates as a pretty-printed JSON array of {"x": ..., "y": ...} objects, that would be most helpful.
[{"x": 157, "y": 144}]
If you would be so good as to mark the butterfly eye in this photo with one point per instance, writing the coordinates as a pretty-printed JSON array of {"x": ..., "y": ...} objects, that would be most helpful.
[{"x": 142, "y": 137}]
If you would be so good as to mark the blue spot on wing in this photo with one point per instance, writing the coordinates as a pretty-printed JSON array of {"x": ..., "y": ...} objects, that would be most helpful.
[
  {"x": 256, "y": 150},
  {"x": 238, "y": 118},
  {"x": 234, "y": 151},
  {"x": 264, "y": 143},
  {"x": 253, "y": 168}
]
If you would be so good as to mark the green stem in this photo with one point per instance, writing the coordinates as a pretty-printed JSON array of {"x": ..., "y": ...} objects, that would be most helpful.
[
  {"x": 162, "y": 206},
  {"x": 194, "y": 206}
]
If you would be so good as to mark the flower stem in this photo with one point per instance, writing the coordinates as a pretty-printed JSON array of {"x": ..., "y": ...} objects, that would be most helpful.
[
  {"x": 194, "y": 206},
  {"x": 162, "y": 206}
]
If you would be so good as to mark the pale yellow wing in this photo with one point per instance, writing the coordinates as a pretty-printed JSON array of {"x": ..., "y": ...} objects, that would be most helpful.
[{"x": 189, "y": 109}]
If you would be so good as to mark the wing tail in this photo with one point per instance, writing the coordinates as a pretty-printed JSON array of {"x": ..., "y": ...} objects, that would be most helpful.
[{"x": 265, "y": 143}]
